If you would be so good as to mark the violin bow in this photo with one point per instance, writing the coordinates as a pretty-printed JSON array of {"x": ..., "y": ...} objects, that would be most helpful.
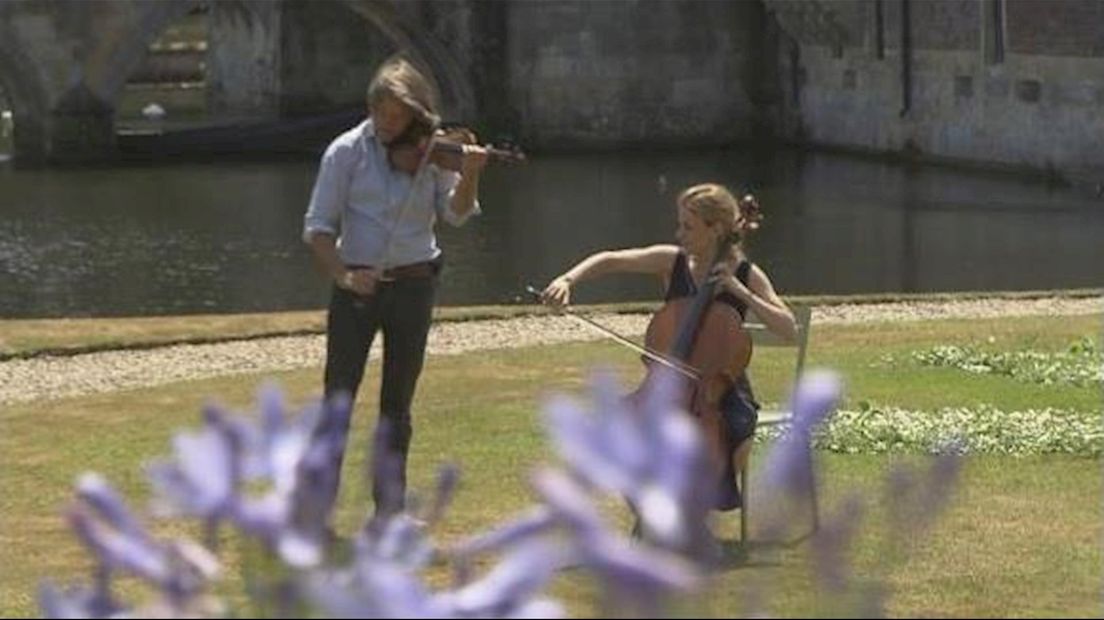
[
  {"x": 655, "y": 356},
  {"x": 422, "y": 167}
]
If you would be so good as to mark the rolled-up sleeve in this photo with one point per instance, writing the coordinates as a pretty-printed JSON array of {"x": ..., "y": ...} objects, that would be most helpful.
[
  {"x": 331, "y": 191},
  {"x": 446, "y": 183}
]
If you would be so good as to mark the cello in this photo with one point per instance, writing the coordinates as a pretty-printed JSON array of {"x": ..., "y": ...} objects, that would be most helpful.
[
  {"x": 707, "y": 337},
  {"x": 703, "y": 342}
]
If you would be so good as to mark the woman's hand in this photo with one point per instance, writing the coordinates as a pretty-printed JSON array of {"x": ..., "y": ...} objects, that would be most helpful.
[
  {"x": 727, "y": 282},
  {"x": 558, "y": 292}
]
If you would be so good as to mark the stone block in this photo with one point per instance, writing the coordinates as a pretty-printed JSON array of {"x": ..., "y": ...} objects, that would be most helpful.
[
  {"x": 850, "y": 80},
  {"x": 964, "y": 86},
  {"x": 1029, "y": 91},
  {"x": 997, "y": 88}
]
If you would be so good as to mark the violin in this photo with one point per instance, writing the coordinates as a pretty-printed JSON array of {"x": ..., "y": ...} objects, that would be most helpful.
[{"x": 443, "y": 147}]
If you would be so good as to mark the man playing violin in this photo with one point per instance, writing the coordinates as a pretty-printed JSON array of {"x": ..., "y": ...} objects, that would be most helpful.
[
  {"x": 370, "y": 227},
  {"x": 707, "y": 213}
]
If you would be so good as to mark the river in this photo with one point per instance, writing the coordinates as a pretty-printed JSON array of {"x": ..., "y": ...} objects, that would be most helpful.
[{"x": 178, "y": 238}]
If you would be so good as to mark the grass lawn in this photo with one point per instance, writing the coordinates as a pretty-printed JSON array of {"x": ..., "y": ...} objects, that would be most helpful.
[{"x": 1021, "y": 538}]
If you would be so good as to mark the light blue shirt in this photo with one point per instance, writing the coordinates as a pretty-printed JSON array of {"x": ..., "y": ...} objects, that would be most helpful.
[{"x": 360, "y": 199}]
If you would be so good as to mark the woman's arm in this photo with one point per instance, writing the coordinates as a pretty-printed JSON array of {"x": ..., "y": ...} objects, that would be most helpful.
[
  {"x": 654, "y": 259},
  {"x": 760, "y": 297}
]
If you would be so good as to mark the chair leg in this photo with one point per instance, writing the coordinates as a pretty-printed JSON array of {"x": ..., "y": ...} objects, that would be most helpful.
[
  {"x": 743, "y": 506},
  {"x": 740, "y": 457},
  {"x": 813, "y": 494}
]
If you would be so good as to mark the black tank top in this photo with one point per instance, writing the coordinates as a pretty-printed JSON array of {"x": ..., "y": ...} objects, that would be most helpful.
[{"x": 681, "y": 283}]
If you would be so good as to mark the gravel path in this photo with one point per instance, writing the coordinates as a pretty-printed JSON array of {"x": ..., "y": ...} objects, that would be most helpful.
[{"x": 59, "y": 377}]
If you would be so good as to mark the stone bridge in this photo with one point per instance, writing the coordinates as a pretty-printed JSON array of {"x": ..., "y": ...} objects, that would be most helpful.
[
  {"x": 991, "y": 81},
  {"x": 555, "y": 73},
  {"x": 64, "y": 63}
]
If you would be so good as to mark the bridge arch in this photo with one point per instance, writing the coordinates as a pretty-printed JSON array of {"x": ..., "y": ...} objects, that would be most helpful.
[
  {"x": 65, "y": 77},
  {"x": 123, "y": 56},
  {"x": 26, "y": 92},
  {"x": 403, "y": 30}
]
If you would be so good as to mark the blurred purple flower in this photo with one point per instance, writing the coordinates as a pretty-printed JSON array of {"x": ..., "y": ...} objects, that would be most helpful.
[
  {"x": 569, "y": 502},
  {"x": 638, "y": 579},
  {"x": 400, "y": 540},
  {"x": 628, "y": 570},
  {"x": 272, "y": 476},
  {"x": 370, "y": 588},
  {"x": 97, "y": 494},
  {"x": 75, "y": 602},
  {"x": 281, "y": 454},
  {"x": 815, "y": 399},
  {"x": 448, "y": 478},
  {"x": 533, "y": 523},
  {"x": 645, "y": 448},
  {"x": 831, "y": 543},
  {"x": 179, "y": 569},
  {"x": 201, "y": 480},
  {"x": 915, "y": 499},
  {"x": 512, "y": 588},
  {"x": 377, "y": 587},
  {"x": 788, "y": 469}
]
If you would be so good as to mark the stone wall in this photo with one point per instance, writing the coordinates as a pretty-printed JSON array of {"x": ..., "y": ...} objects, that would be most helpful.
[
  {"x": 330, "y": 51},
  {"x": 632, "y": 74},
  {"x": 329, "y": 54},
  {"x": 550, "y": 74},
  {"x": 1030, "y": 95},
  {"x": 1015, "y": 83},
  {"x": 63, "y": 64},
  {"x": 244, "y": 58}
]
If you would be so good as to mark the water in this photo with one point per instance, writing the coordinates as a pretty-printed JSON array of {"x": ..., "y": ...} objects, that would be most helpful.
[{"x": 225, "y": 237}]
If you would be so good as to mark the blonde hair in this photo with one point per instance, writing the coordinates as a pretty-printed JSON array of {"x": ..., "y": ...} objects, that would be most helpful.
[
  {"x": 398, "y": 77},
  {"x": 714, "y": 204}
]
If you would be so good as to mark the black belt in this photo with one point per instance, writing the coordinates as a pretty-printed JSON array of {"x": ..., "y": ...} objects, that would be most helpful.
[{"x": 424, "y": 269}]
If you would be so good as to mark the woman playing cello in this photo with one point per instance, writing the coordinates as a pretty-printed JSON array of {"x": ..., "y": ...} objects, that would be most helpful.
[{"x": 708, "y": 214}]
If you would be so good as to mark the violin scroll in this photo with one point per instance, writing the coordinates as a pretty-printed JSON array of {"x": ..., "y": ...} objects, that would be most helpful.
[{"x": 750, "y": 213}]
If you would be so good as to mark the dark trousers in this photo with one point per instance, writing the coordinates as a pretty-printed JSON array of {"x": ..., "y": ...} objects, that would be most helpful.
[{"x": 402, "y": 309}]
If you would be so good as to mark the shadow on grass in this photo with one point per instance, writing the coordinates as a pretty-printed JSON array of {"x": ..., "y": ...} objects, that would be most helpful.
[{"x": 740, "y": 554}]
